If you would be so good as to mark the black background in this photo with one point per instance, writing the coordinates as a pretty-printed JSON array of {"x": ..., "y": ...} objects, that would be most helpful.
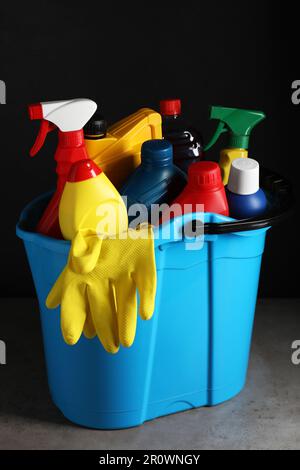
[{"x": 131, "y": 55}]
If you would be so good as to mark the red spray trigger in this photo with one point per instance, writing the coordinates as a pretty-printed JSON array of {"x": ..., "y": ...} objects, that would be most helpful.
[
  {"x": 45, "y": 128},
  {"x": 36, "y": 112}
]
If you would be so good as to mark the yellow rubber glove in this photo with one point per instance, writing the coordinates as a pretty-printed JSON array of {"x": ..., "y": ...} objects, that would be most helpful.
[{"x": 97, "y": 289}]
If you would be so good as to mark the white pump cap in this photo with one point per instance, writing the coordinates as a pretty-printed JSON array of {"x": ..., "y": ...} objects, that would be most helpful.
[
  {"x": 70, "y": 115},
  {"x": 244, "y": 176}
]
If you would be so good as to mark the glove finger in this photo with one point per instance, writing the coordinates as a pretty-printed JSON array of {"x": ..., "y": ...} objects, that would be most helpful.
[
  {"x": 53, "y": 299},
  {"x": 89, "y": 329},
  {"x": 85, "y": 251},
  {"x": 73, "y": 312},
  {"x": 103, "y": 310},
  {"x": 126, "y": 310},
  {"x": 145, "y": 279}
]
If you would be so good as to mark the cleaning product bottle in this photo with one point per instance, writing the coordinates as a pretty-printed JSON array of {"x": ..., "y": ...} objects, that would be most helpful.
[
  {"x": 205, "y": 188},
  {"x": 245, "y": 198},
  {"x": 239, "y": 124},
  {"x": 95, "y": 128},
  {"x": 90, "y": 201},
  {"x": 187, "y": 142},
  {"x": 119, "y": 152},
  {"x": 69, "y": 117},
  {"x": 157, "y": 180}
]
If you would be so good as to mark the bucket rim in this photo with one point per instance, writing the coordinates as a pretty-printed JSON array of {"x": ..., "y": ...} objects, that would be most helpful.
[{"x": 214, "y": 224}]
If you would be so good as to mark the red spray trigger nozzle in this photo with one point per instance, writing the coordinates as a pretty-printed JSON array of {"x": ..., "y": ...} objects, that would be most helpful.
[
  {"x": 35, "y": 111},
  {"x": 45, "y": 128}
]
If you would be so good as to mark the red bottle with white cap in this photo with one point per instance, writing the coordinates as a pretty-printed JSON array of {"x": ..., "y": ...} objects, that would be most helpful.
[
  {"x": 69, "y": 117},
  {"x": 205, "y": 188}
]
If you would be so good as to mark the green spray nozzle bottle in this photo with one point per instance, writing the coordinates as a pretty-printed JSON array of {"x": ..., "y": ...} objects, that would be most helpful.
[{"x": 238, "y": 123}]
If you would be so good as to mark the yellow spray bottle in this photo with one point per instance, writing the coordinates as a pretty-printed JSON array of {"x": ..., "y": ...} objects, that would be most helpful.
[{"x": 239, "y": 124}]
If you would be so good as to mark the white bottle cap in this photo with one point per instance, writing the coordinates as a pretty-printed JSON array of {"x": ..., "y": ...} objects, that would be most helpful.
[{"x": 244, "y": 176}]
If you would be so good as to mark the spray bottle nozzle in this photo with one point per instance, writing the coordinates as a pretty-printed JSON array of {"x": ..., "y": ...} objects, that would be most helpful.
[
  {"x": 68, "y": 116},
  {"x": 35, "y": 111},
  {"x": 237, "y": 122}
]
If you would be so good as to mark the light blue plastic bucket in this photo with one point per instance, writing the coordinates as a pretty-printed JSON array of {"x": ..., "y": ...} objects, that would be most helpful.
[{"x": 193, "y": 352}]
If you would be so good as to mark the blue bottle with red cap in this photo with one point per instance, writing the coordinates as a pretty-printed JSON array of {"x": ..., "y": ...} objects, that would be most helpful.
[{"x": 187, "y": 141}]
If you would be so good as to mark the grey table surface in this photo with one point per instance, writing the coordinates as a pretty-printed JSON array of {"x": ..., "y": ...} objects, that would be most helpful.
[{"x": 266, "y": 415}]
